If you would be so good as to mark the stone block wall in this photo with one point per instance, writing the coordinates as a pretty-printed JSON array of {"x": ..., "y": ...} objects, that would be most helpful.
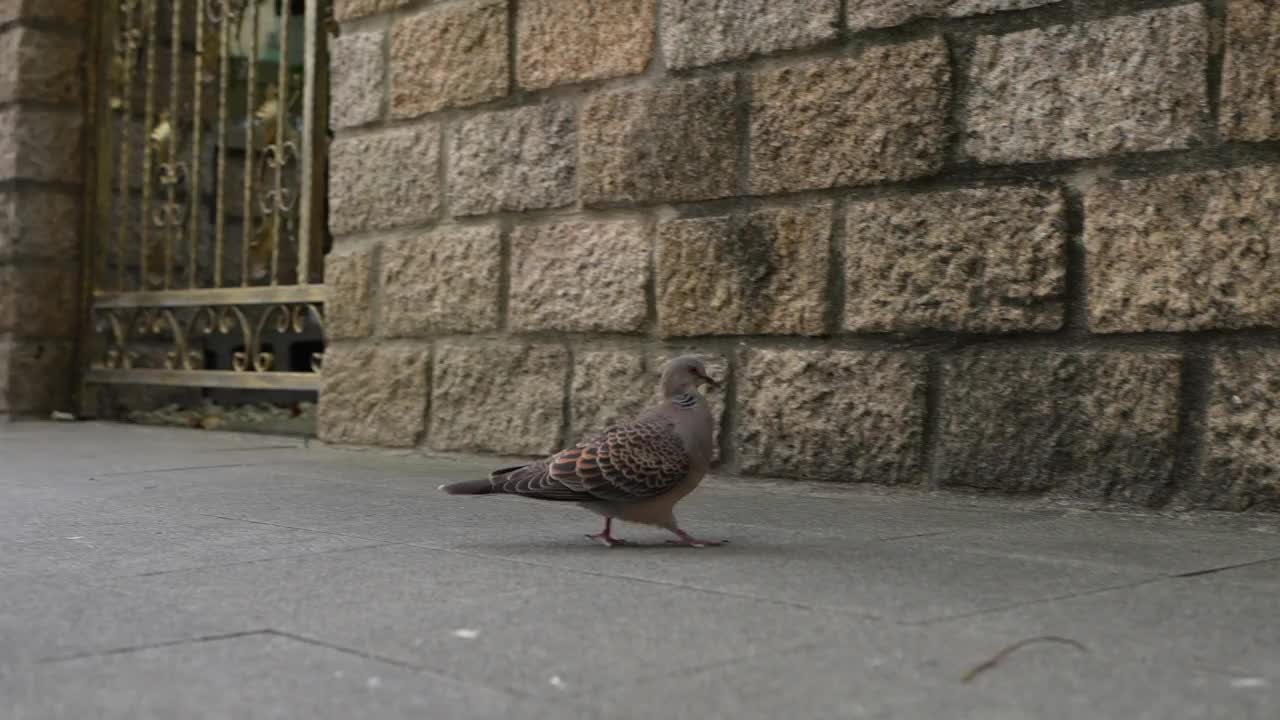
[
  {"x": 1020, "y": 246},
  {"x": 42, "y": 86}
]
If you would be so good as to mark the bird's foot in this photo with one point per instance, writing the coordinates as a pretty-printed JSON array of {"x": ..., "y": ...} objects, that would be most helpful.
[
  {"x": 606, "y": 539},
  {"x": 688, "y": 540}
]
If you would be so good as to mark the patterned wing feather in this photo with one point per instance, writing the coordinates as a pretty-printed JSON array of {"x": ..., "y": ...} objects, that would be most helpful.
[{"x": 630, "y": 461}]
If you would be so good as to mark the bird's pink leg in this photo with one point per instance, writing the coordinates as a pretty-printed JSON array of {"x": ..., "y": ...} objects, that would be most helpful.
[
  {"x": 605, "y": 537},
  {"x": 691, "y": 541}
]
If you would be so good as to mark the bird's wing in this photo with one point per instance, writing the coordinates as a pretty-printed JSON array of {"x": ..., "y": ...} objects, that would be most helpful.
[{"x": 629, "y": 461}]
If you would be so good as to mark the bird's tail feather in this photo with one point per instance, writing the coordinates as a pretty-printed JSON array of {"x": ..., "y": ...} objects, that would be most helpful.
[
  {"x": 478, "y": 487},
  {"x": 469, "y": 487}
]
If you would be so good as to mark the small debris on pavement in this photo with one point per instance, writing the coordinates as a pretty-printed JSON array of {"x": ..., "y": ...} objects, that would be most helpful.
[
  {"x": 557, "y": 683},
  {"x": 466, "y": 633},
  {"x": 1000, "y": 656}
]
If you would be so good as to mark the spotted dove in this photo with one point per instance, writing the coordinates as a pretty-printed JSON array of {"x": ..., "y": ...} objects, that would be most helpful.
[{"x": 634, "y": 471}]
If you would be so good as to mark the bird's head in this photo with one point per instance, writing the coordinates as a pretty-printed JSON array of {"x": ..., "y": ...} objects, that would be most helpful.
[{"x": 684, "y": 375}]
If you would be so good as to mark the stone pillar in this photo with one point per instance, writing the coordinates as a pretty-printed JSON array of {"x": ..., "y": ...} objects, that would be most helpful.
[{"x": 42, "y": 100}]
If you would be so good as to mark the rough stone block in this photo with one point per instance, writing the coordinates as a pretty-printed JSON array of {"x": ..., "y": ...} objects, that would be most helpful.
[
  {"x": 770, "y": 273},
  {"x": 347, "y": 314},
  {"x": 1128, "y": 84},
  {"x": 1100, "y": 425},
  {"x": 385, "y": 180},
  {"x": 704, "y": 32},
  {"x": 674, "y": 142},
  {"x": 1241, "y": 463},
  {"x": 39, "y": 301},
  {"x": 614, "y": 385},
  {"x": 449, "y": 55},
  {"x": 875, "y": 118},
  {"x": 608, "y": 386},
  {"x": 442, "y": 281},
  {"x": 579, "y": 277},
  {"x": 979, "y": 260},
  {"x": 41, "y": 145},
  {"x": 36, "y": 65},
  {"x": 831, "y": 415},
  {"x": 866, "y": 14},
  {"x": 566, "y": 41},
  {"x": 68, "y": 13},
  {"x": 504, "y": 399},
  {"x": 1250, "y": 108},
  {"x": 357, "y": 76},
  {"x": 374, "y": 395},
  {"x": 1184, "y": 252},
  {"x": 514, "y": 160},
  {"x": 34, "y": 376},
  {"x": 39, "y": 224},
  {"x": 344, "y": 10}
]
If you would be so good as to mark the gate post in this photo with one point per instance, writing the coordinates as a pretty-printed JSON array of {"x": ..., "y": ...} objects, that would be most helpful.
[{"x": 44, "y": 70}]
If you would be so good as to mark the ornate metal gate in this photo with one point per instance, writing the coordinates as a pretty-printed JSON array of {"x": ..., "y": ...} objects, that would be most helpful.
[{"x": 205, "y": 259}]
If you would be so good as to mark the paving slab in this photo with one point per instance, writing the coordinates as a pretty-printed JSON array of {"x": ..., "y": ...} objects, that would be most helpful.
[
  {"x": 150, "y": 572},
  {"x": 256, "y": 675}
]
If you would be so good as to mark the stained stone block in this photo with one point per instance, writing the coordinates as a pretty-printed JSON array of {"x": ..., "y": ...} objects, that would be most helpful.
[
  {"x": 831, "y": 415},
  {"x": 500, "y": 398},
  {"x": 374, "y": 395},
  {"x": 1196, "y": 251},
  {"x": 1134, "y": 83},
  {"x": 878, "y": 117},
  {"x": 1098, "y": 425}
]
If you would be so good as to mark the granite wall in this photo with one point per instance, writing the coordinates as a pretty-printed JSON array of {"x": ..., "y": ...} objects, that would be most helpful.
[{"x": 1022, "y": 246}]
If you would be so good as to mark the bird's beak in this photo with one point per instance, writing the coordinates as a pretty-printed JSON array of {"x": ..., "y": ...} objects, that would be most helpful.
[{"x": 707, "y": 379}]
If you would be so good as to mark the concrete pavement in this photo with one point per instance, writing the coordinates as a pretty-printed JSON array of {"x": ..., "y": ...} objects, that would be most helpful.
[{"x": 154, "y": 573}]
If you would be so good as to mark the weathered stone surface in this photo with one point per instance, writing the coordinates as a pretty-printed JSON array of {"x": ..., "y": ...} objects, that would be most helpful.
[
  {"x": 1241, "y": 464},
  {"x": 675, "y": 142},
  {"x": 579, "y": 277},
  {"x": 38, "y": 301},
  {"x": 498, "y": 398},
  {"x": 374, "y": 395},
  {"x": 608, "y": 386},
  {"x": 1134, "y": 83},
  {"x": 514, "y": 160},
  {"x": 764, "y": 275},
  {"x": 350, "y": 9},
  {"x": 385, "y": 180},
  {"x": 357, "y": 75},
  {"x": 865, "y": 14},
  {"x": 36, "y": 65},
  {"x": 1250, "y": 109},
  {"x": 1185, "y": 252},
  {"x": 41, "y": 145},
  {"x": 39, "y": 224},
  {"x": 442, "y": 281},
  {"x": 1102, "y": 425},
  {"x": 875, "y": 118},
  {"x": 450, "y": 55},
  {"x": 565, "y": 41},
  {"x": 831, "y": 415},
  {"x": 347, "y": 314},
  {"x": 979, "y": 260},
  {"x": 614, "y": 385},
  {"x": 34, "y": 376},
  {"x": 66, "y": 12},
  {"x": 703, "y": 32}
]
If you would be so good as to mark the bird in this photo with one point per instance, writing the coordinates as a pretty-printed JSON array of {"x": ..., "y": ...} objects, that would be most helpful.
[{"x": 634, "y": 471}]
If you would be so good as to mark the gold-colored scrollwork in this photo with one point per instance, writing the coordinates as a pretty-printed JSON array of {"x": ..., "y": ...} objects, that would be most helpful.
[
  {"x": 171, "y": 214},
  {"x": 181, "y": 327},
  {"x": 279, "y": 198},
  {"x": 117, "y": 354}
]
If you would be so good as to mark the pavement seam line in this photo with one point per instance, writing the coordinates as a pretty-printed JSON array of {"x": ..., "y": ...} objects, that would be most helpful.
[
  {"x": 215, "y": 566},
  {"x": 154, "y": 646},
  {"x": 1224, "y": 568}
]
